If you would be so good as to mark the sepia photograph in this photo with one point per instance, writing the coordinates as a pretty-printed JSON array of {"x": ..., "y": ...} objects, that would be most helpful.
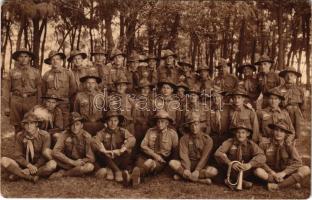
[{"x": 156, "y": 99}]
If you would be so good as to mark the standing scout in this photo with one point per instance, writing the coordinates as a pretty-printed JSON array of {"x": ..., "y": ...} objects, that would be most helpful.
[
  {"x": 267, "y": 78},
  {"x": 24, "y": 87},
  {"x": 99, "y": 64},
  {"x": 205, "y": 82},
  {"x": 118, "y": 68},
  {"x": 241, "y": 149},
  {"x": 50, "y": 114},
  {"x": 159, "y": 145},
  {"x": 249, "y": 82},
  {"x": 226, "y": 81},
  {"x": 194, "y": 150},
  {"x": 90, "y": 103},
  {"x": 169, "y": 69},
  {"x": 294, "y": 101},
  {"x": 133, "y": 75},
  {"x": 187, "y": 71},
  {"x": 113, "y": 146},
  {"x": 72, "y": 151},
  {"x": 79, "y": 70},
  {"x": 32, "y": 155},
  {"x": 241, "y": 112},
  {"x": 59, "y": 81},
  {"x": 272, "y": 114},
  {"x": 283, "y": 167},
  {"x": 150, "y": 69}
]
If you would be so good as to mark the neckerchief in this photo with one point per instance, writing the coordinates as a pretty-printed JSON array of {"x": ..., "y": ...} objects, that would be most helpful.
[{"x": 30, "y": 151}]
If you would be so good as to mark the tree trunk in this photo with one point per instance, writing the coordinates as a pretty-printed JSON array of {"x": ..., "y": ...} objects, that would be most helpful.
[
  {"x": 273, "y": 49},
  {"x": 122, "y": 30},
  {"x": 43, "y": 48},
  {"x": 109, "y": 32},
  {"x": 280, "y": 27},
  {"x": 37, "y": 38},
  {"x": 78, "y": 39},
  {"x": 174, "y": 33},
  {"x": 4, "y": 46},
  {"x": 130, "y": 32},
  {"x": 241, "y": 43},
  {"x": 225, "y": 51},
  {"x": 19, "y": 34},
  {"x": 307, "y": 22},
  {"x": 195, "y": 47},
  {"x": 150, "y": 33}
]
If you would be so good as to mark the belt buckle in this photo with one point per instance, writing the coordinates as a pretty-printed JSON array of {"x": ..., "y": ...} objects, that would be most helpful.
[{"x": 24, "y": 95}]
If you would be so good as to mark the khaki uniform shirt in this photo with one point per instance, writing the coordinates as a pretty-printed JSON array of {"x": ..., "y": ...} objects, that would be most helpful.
[
  {"x": 294, "y": 95},
  {"x": 227, "y": 82}
]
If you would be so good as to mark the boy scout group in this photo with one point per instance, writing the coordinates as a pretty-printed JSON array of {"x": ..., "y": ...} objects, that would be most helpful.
[{"x": 125, "y": 118}]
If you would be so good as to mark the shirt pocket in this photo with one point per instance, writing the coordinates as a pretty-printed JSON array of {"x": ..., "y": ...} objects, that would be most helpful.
[
  {"x": 166, "y": 143},
  {"x": 270, "y": 155}
]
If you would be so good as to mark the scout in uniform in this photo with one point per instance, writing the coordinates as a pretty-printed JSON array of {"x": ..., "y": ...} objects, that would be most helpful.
[
  {"x": 133, "y": 75},
  {"x": 239, "y": 148},
  {"x": 24, "y": 87},
  {"x": 102, "y": 67},
  {"x": 194, "y": 105},
  {"x": 194, "y": 151},
  {"x": 187, "y": 71},
  {"x": 272, "y": 114},
  {"x": 249, "y": 82},
  {"x": 167, "y": 100},
  {"x": 50, "y": 114},
  {"x": 159, "y": 145},
  {"x": 169, "y": 69},
  {"x": 205, "y": 82},
  {"x": 122, "y": 102},
  {"x": 294, "y": 101},
  {"x": 143, "y": 111},
  {"x": 182, "y": 88},
  {"x": 267, "y": 79},
  {"x": 59, "y": 81},
  {"x": 219, "y": 118},
  {"x": 243, "y": 112},
  {"x": 113, "y": 146},
  {"x": 118, "y": 68},
  {"x": 72, "y": 151},
  {"x": 79, "y": 70},
  {"x": 32, "y": 154},
  {"x": 151, "y": 69},
  {"x": 226, "y": 81},
  {"x": 283, "y": 167},
  {"x": 90, "y": 103}
]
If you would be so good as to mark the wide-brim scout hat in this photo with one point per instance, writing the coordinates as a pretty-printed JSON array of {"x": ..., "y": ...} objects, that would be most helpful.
[
  {"x": 203, "y": 67},
  {"x": 217, "y": 91},
  {"x": 99, "y": 50},
  {"x": 151, "y": 57},
  {"x": 240, "y": 125},
  {"x": 52, "y": 54},
  {"x": 223, "y": 63},
  {"x": 30, "y": 117},
  {"x": 143, "y": 58},
  {"x": 75, "y": 117},
  {"x": 289, "y": 70},
  {"x": 182, "y": 85},
  {"x": 76, "y": 53},
  {"x": 238, "y": 91},
  {"x": 84, "y": 78},
  {"x": 166, "y": 53},
  {"x": 194, "y": 89},
  {"x": 16, "y": 54},
  {"x": 122, "y": 79},
  {"x": 134, "y": 56},
  {"x": 52, "y": 96},
  {"x": 191, "y": 118},
  {"x": 281, "y": 125},
  {"x": 264, "y": 58},
  {"x": 114, "y": 113},
  {"x": 162, "y": 114},
  {"x": 241, "y": 68},
  {"x": 166, "y": 82},
  {"x": 185, "y": 62},
  {"x": 276, "y": 92},
  {"x": 117, "y": 52}
]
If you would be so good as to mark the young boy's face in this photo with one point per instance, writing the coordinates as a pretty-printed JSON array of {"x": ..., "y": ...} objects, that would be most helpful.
[
  {"x": 91, "y": 84},
  {"x": 195, "y": 128},
  {"x": 51, "y": 104},
  {"x": 113, "y": 122},
  {"x": 290, "y": 77},
  {"x": 77, "y": 60},
  {"x": 30, "y": 127},
  {"x": 279, "y": 134},
  {"x": 76, "y": 127},
  {"x": 100, "y": 58},
  {"x": 166, "y": 90},
  {"x": 162, "y": 124},
  {"x": 238, "y": 100},
  {"x": 265, "y": 67},
  {"x": 121, "y": 88},
  {"x": 181, "y": 92},
  {"x": 274, "y": 101},
  {"x": 242, "y": 134}
]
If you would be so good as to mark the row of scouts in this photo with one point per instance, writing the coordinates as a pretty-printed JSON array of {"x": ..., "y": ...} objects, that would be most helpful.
[{"x": 125, "y": 142}]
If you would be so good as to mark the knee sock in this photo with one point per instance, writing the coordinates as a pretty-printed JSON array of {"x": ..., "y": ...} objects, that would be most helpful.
[
  {"x": 291, "y": 180},
  {"x": 18, "y": 172}
]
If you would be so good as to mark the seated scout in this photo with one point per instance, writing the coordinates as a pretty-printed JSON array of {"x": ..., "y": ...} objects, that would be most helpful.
[
  {"x": 90, "y": 103},
  {"x": 272, "y": 114},
  {"x": 50, "y": 114},
  {"x": 242, "y": 149},
  {"x": 32, "y": 156},
  {"x": 283, "y": 167},
  {"x": 159, "y": 145},
  {"x": 113, "y": 146},
  {"x": 194, "y": 150},
  {"x": 72, "y": 151}
]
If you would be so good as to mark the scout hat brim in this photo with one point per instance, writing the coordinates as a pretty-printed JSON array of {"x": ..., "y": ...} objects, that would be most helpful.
[
  {"x": 97, "y": 53},
  {"x": 182, "y": 63},
  {"x": 240, "y": 69},
  {"x": 47, "y": 97},
  {"x": 48, "y": 60},
  {"x": 113, "y": 56},
  {"x": 272, "y": 93},
  {"x": 16, "y": 54},
  {"x": 160, "y": 84},
  {"x": 155, "y": 118},
  {"x": 273, "y": 126},
  {"x": 262, "y": 61},
  {"x": 83, "y": 55},
  {"x": 81, "y": 119},
  {"x": 284, "y": 72},
  {"x": 230, "y": 94},
  {"x": 83, "y": 79},
  {"x": 120, "y": 117},
  {"x": 240, "y": 127}
]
